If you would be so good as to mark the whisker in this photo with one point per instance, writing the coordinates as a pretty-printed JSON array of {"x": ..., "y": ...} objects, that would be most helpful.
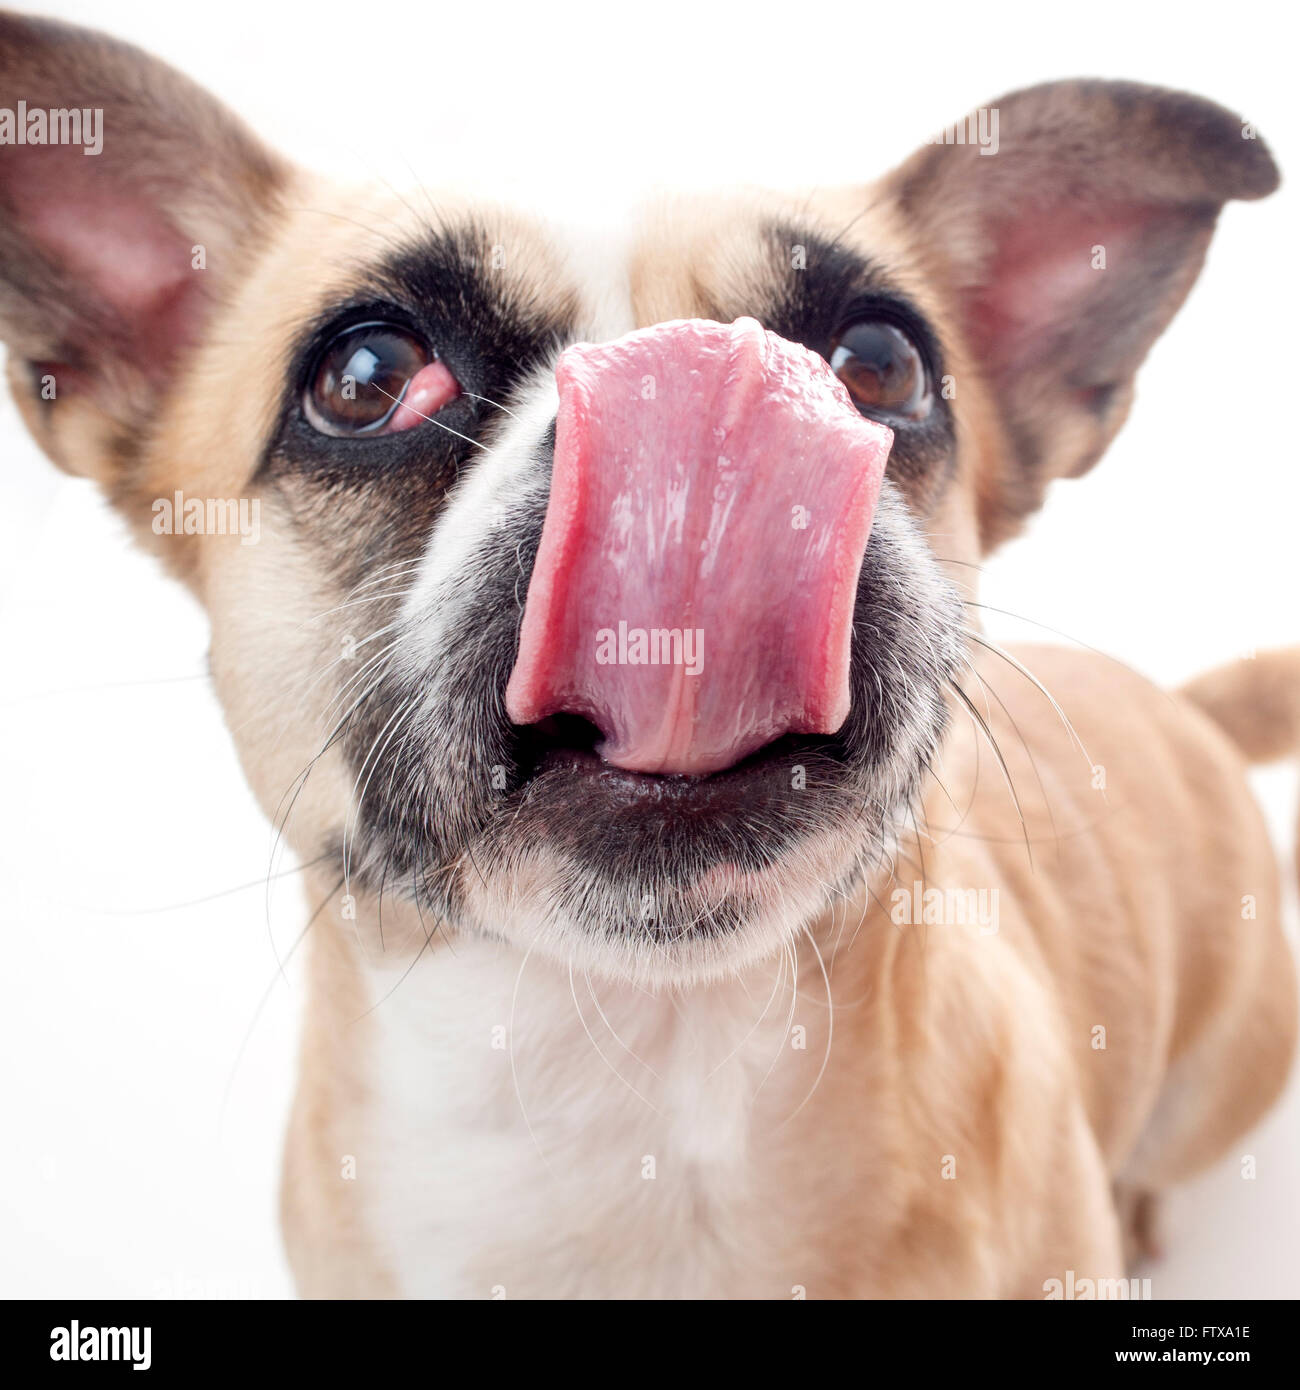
[
  {"x": 1033, "y": 762},
  {"x": 192, "y": 902},
  {"x": 263, "y": 1001},
  {"x": 591, "y": 1038},
  {"x": 514, "y": 1070},
  {"x": 788, "y": 954},
  {"x": 776, "y": 985},
  {"x": 830, "y": 1031},
  {"x": 640, "y": 1061},
  {"x": 1006, "y": 656},
  {"x": 441, "y": 424},
  {"x": 487, "y": 400},
  {"x": 997, "y": 753},
  {"x": 16, "y": 700}
]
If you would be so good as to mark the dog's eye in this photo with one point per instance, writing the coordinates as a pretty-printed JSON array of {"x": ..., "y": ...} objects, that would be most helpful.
[
  {"x": 376, "y": 378},
  {"x": 882, "y": 368}
]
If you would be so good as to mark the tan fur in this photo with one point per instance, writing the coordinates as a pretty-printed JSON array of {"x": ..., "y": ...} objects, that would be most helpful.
[
  {"x": 1254, "y": 702},
  {"x": 1123, "y": 861}
]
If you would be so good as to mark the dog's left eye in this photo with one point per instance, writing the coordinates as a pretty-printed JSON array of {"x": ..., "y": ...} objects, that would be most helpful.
[
  {"x": 882, "y": 368},
  {"x": 376, "y": 378}
]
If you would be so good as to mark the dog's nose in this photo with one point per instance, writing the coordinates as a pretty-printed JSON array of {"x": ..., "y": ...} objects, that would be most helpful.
[{"x": 711, "y": 499}]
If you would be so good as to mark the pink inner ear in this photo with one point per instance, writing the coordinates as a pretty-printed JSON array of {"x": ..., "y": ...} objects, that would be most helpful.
[
  {"x": 1042, "y": 277},
  {"x": 119, "y": 249},
  {"x": 115, "y": 250}
]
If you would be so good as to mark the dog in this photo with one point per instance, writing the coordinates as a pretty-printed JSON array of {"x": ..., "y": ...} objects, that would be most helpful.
[{"x": 702, "y": 905}]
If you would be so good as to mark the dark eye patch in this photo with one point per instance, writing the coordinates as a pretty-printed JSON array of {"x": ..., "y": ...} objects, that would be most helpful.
[
  {"x": 372, "y": 498},
  {"x": 444, "y": 290},
  {"x": 810, "y": 295}
]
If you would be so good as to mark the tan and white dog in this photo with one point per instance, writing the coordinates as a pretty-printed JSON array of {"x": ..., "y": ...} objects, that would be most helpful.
[{"x": 858, "y": 959}]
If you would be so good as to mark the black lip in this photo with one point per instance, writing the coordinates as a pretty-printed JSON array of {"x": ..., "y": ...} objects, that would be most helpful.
[
  {"x": 623, "y": 835},
  {"x": 542, "y": 758}
]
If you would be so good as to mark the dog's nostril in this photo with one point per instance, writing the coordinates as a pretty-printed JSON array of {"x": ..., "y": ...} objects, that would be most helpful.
[
  {"x": 560, "y": 741},
  {"x": 566, "y": 731}
]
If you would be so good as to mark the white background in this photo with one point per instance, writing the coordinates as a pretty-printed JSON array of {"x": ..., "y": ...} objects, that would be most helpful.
[{"x": 138, "y": 1144}]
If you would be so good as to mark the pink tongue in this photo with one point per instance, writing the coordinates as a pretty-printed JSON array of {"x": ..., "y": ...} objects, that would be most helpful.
[{"x": 712, "y": 495}]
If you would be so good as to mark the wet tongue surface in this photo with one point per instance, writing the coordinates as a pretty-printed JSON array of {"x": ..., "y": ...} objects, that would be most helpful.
[{"x": 711, "y": 499}]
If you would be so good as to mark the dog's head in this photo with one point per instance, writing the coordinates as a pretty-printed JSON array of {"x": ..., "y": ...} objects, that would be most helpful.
[{"x": 637, "y": 651}]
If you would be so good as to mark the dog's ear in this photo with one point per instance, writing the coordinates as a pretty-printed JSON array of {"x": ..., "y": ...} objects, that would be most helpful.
[
  {"x": 1066, "y": 228},
  {"x": 113, "y": 250}
]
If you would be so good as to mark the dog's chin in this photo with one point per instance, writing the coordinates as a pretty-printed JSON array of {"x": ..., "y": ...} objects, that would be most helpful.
[
  {"x": 681, "y": 933},
  {"x": 664, "y": 881},
  {"x": 675, "y": 881}
]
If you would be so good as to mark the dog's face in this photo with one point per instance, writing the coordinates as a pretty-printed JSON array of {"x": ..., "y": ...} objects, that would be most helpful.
[{"x": 375, "y": 379}]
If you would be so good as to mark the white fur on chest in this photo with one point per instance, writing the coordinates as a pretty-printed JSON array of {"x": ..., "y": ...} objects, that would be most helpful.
[{"x": 532, "y": 1134}]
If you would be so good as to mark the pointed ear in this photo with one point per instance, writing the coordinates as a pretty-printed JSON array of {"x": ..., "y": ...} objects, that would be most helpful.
[
  {"x": 130, "y": 200},
  {"x": 1067, "y": 226}
]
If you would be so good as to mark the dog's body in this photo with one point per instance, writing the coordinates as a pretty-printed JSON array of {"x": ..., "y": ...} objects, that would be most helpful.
[
  {"x": 583, "y": 1028},
  {"x": 970, "y": 1123}
]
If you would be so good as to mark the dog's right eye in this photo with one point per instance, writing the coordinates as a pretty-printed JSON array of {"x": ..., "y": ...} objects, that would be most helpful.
[
  {"x": 376, "y": 378},
  {"x": 882, "y": 368}
]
